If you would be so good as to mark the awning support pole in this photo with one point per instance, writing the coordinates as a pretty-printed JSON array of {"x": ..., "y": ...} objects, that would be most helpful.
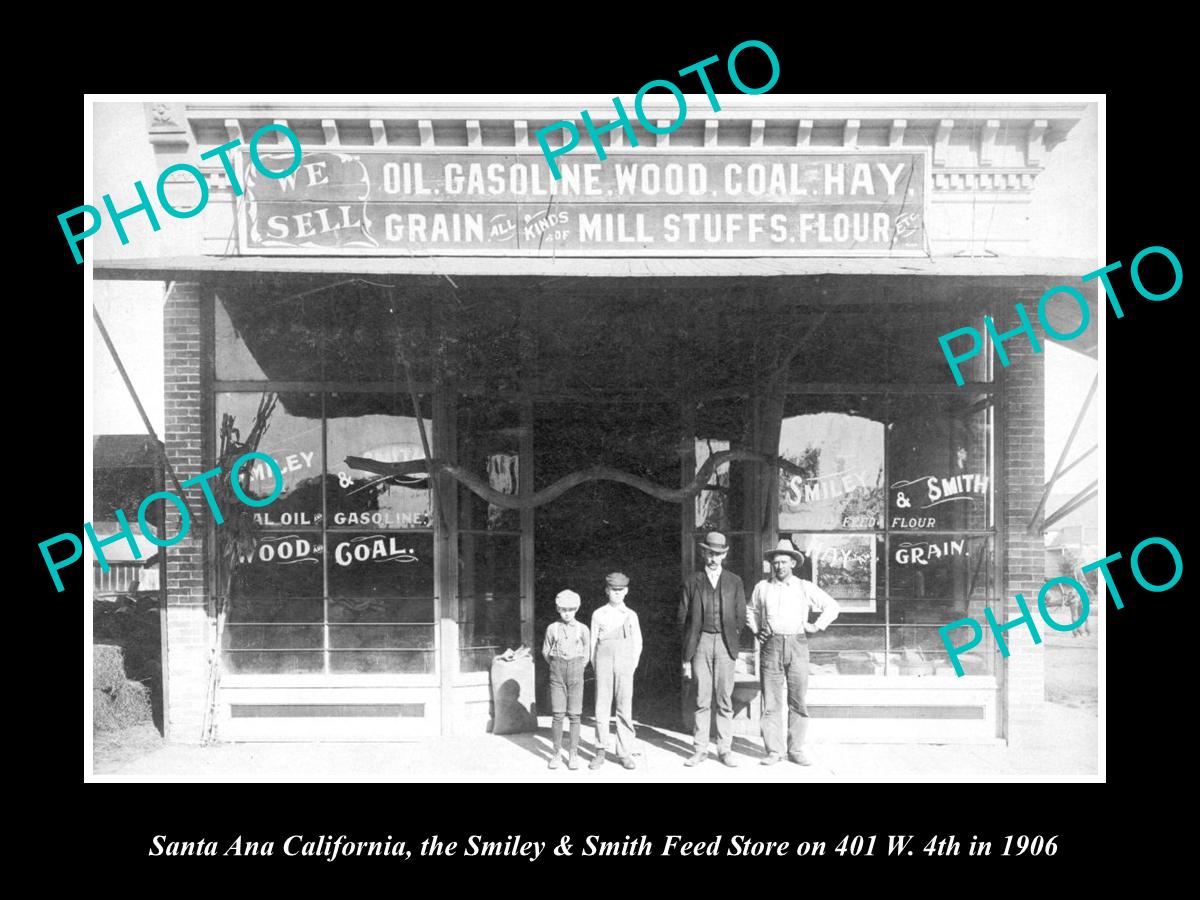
[
  {"x": 141, "y": 410},
  {"x": 1058, "y": 469}
]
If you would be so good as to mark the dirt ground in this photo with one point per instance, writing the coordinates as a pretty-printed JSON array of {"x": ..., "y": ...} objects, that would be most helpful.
[
  {"x": 112, "y": 749},
  {"x": 1072, "y": 670}
]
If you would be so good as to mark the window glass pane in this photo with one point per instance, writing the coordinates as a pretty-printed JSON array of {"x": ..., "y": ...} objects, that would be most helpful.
[
  {"x": 376, "y": 427},
  {"x": 369, "y": 332},
  {"x": 293, "y": 439},
  {"x": 274, "y": 614},
  {"x": 262, "y": 333},
  {"x": 941, "y": 463},
  {"x": 935, "y": 570},
  {"x": 380, "y": 609},
  {"x": 920, "y": 651},
  {"x": 848, "y": 567},
  {"x": 381, "y": 637},
  {"x": 282, "y": 566},
  {"x": 846, "y": 650},
  {"x": 273, "y": 637},
  {"x": 489, "y": 446},
  {"x": 411, "y": 662},
  {"x": 836, "y": 443},
  {"x": 720, "y": 426},
  {"x": 274, "y": 609},
  {"x": 489, "y": 604},
  {"x": 284, "y": 662},
  {"x": 369, "y": 565},
  {"x": 859, "y": 333},
  {"x": 485, "y": 629},
  {"x": 489, "y": 565},
  {"x": 914, "y": 354}
]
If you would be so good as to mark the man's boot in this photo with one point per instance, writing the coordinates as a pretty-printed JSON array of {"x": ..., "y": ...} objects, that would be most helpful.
[
  {"x": 797, "y": 754},
  {"x": 598, "y": 759},
  {"x": 573, "y": 760}
]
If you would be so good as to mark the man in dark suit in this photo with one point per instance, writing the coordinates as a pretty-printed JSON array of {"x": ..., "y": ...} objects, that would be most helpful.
[{"x": 712, "y": 612}]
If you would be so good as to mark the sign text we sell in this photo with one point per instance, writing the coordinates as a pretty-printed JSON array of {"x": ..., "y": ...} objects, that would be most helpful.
[{"x": 789, "y": 203}]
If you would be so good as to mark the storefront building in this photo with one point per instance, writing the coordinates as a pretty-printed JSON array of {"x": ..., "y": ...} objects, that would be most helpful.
[{"x": 764, "y": 286}]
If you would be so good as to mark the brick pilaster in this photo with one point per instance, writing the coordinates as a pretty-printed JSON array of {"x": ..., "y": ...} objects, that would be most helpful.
[
  {"x": 1023, "y": 477},
  {"x": 188, "y": 629}
]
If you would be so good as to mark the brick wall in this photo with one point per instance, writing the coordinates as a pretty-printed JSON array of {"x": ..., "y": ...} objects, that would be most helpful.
[
  {"x": 188, "y": 630},
  {"x": 1024, "y": 572}
]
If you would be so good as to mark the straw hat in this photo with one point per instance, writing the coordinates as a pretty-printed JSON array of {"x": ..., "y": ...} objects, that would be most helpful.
[{"x": 786, "y": 548}]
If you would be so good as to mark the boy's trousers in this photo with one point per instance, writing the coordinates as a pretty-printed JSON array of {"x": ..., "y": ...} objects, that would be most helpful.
[{"x": 615, "y": 663}]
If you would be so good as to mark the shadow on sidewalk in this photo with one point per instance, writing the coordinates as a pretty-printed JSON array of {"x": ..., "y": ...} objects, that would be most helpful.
[
  {"x": 663, "y": 740},
  {"x": 540, "y": 743}
]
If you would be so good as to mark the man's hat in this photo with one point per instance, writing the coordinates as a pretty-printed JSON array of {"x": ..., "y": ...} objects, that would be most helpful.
[
  {"x": 715, "y": 541},
  {"x": 567, "y": 598},
  {"x": 616, "y": 580},
  {"x": 787, "y": 548}
]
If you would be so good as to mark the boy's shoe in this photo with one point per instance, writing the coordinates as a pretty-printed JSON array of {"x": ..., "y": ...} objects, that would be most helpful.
[
  {"x": 573, "y": 762},
  {"x": 597, "y": 760},
  {"x": 696, "y": 758},
  {"x": 770, "y": 759},
  {"x": 798, "y": 757},
  {"x": 728, "y": 760},
  {"x": 627, "y": 762},
  {"x": 555, "y": 760}
]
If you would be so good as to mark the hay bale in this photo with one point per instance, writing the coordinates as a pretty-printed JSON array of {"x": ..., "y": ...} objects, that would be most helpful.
[
  {"x": 103, "y": 716},
  {"x": 108, "y": 667},
  {"x": 131, "y": 704}
]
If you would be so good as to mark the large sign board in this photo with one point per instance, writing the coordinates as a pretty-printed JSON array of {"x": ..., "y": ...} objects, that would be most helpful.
[{"x": 635, "y": 203}]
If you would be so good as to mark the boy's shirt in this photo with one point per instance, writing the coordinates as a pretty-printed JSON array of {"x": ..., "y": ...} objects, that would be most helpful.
[
  {"x": 610, "y": 620},
  {"x": 566, "y": 641}
]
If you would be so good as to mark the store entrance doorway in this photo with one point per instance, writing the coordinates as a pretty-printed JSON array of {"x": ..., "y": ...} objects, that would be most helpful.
[{"x": 603, "y": 526}]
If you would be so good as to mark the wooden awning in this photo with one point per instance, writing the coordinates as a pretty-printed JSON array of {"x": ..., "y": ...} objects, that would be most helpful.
[
  {"x": 1035, "y": 269},
  {"x": 821, "y": 281}
]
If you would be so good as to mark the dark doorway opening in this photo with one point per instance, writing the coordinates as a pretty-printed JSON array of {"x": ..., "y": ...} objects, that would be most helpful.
[{"x": 603, "y": 526}]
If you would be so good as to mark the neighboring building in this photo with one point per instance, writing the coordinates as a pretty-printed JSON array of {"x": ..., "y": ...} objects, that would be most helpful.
[
  {"x": 1074, "y": 540},
  {"x": 771, "y": 279},
  {"x": 125, "y": 469}
]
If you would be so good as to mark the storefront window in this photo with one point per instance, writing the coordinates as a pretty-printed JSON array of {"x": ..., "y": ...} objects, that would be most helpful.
[
  {"x": 489, "y": 537},
  {"x": 354, "y": 591},
  {"x": 925, "y": 560}
]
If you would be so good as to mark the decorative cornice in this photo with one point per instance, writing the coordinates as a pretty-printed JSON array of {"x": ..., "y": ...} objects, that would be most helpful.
[
  {"x": 959, "y": 179},
  {"x": 962, "y": 138}
]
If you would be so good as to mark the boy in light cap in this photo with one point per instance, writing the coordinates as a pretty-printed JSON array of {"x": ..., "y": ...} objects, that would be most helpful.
[
  {"x": 566, "y": 649},
  {"x": 616, "y": 649}
]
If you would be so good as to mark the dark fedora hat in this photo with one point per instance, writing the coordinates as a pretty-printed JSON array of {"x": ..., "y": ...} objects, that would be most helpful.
[
  {"x": 787, "y": 548},
  {"x": 715, "y": 541}
]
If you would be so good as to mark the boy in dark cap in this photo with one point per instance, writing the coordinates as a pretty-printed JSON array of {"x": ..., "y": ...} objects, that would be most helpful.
[{"x": 616, "y": 649}]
